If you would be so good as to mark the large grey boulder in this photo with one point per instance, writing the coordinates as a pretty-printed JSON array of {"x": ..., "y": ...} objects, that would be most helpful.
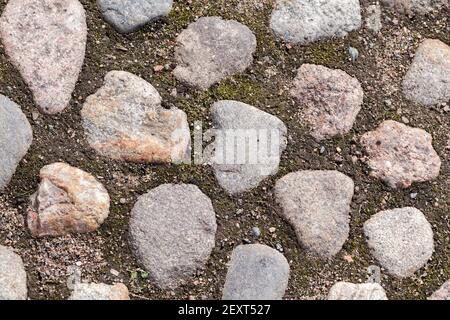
[
  {"x": 428, "y": 79},
  {"x": 400, "y": 239},
  {"x": 400, "y": 155},
  {"x": 46, "y": 40},
  {"x": 99, "y": 291},
  {"x": 256, "y": 272},
  {"x": 172, "y": 232},
  {"x": 13, "y": 278},
  {"x": 212, "y": 49},
  {"x": 15, "y": 138},
  {"x": 362, "y": 291},
  {"x": 330, "y": 99},
  {"x": 124, "y": 120},
  {"x": 305, "y": 21},
  {"x": 129, "y": 15},
  {"x": 317, "y": 205},
  {"x": 248, "y": 147}
]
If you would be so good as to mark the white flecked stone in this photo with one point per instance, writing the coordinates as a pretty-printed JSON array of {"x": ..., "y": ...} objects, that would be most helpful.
[
  {"x": 305, "y": 21},
  {"x": 400, "y": 239}
]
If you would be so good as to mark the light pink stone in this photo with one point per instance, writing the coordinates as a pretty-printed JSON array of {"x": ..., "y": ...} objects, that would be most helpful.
[
  {"x": 46, "y": 40},
  {"x": 330, "y": 100},
  {"x": 400, "y": 155}
]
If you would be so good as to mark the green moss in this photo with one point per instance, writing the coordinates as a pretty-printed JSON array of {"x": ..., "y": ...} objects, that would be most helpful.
[
  {"x": 392, "y": 115},
  {"x": 329, "y": 54},
  {"x": 242, "y": 88}
]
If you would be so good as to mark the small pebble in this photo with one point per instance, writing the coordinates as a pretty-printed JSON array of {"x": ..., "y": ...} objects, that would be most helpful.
[
  {"x": 354, "y": 54},
  {"x": 114, "y": 272},
  {"x": 256, "y": 232},
  {"x": 279, "y": 247}
]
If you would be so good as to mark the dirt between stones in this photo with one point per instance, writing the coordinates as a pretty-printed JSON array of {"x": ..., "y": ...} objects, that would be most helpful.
[{"x": 105, "y": 256}]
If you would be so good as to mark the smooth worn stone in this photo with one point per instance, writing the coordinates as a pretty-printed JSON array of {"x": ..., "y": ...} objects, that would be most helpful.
[
  {"x": 330, "y": 100},
  {"x": 400, "y": 239},
  {"x": 172, "y": 232},
  {"x": 427, "y": 81},
  {"x": 124, "y": 120},
  {"x": 443, "y": 293},
  {"x": 400, "y": 155},
  {"x": 256, "y": 272},
  {"x": 15, "y": 138},
  {"x": 127, "y": 16},
  {"x": 46, "y": 40},
  {"x": 13, "y": 278},
  {"x": 317, "y": 205},
  {"x": 212, "y": 49},
  {"x": 68, "y": 200},
  {"x": 248, "y": 147},
  {"x": 416, "y": 6},
  {"x": 99, "y": 291},
  {"x": 306, "y": 21},
  {"x": 362, "y": 291}
]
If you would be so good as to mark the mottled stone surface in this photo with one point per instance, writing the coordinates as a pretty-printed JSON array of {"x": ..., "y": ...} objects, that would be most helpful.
[
  {"x": 317, "y": 205},
  {"x": 330, "y": 99},
  {"x": 256, "y": 272},
  {"x": 15, "y": 138},
  {"x": 212, "y": 49},
  {"x": 443, "y": 293},
  {"x": 99, "y": 291},
  {"x": 46, "y": 40},
  {"x": 427, "y": 81},
  {"x": 172, "y": 232},
  {"x": 13, "y": 278},
  {"x": 305, "y": 21},
  {"x": 373, "y": 18},
  {"x": 129, "y": 15},
  {"x": 248, "y": 146},
  {"x": 68, "y": 200},
  {"x": 124, "y": 120},
  {"x": 416, "y": 6},
  {"x": 362, "y": 291},
  {"x": 400, "y": 239},
  {"x": 400, "y": 155}
]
